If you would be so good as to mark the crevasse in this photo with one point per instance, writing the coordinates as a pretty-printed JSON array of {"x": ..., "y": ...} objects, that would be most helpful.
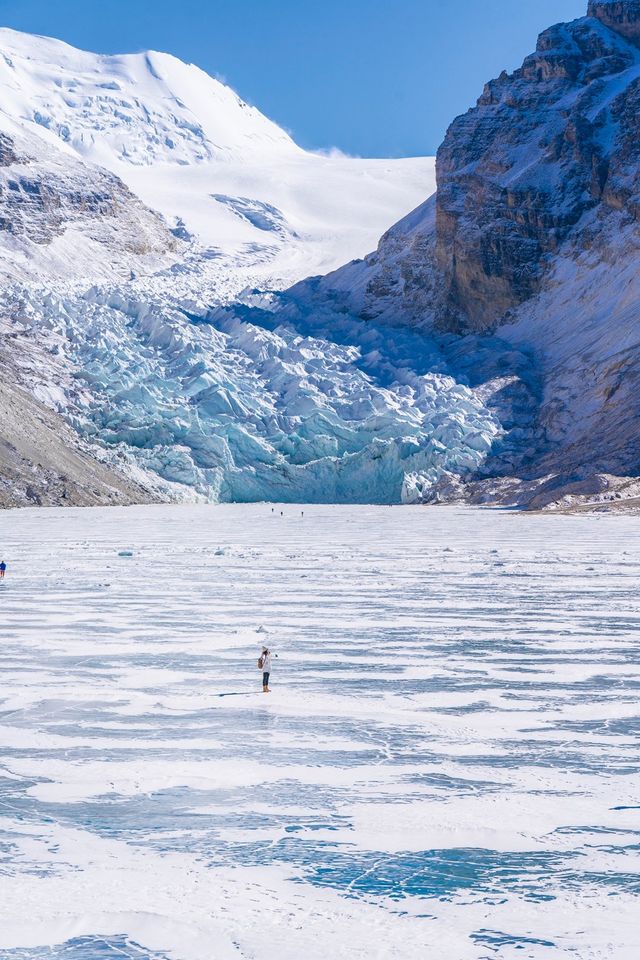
[{"x": 233, "y": 406}]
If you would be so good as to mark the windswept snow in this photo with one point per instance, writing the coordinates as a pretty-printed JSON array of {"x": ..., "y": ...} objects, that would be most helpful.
[{"x": 447, "y": 766}]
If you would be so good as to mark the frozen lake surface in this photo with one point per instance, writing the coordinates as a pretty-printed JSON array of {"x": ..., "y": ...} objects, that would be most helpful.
[{"x": 447, "y": 767}]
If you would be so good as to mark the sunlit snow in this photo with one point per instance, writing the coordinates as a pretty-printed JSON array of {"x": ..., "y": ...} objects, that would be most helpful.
[
  {"x": 137, "y": 350},
  {"x": 190, "y": 148}
]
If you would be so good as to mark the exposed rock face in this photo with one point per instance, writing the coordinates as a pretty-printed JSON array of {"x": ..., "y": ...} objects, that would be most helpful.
[
  {"x": 516, "y": 175},
  {"x": 623, "y": 16},
  {"x": 533, "y": 237},
  {"x": 544, "y": 146},
  {"x": 45, "y": 194},
  {"x": 7, "y": 151}
]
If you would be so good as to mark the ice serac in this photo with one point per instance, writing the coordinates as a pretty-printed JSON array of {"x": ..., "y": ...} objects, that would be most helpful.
[{"x": 266, "y": 406}]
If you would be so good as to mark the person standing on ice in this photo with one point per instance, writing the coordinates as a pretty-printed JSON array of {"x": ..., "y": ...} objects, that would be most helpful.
[
  {"x": 3, "y": 570},
  {"x": 264, "y": 664}
]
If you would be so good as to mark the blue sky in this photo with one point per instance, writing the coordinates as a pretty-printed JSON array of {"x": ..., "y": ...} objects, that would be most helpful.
[{"x": 372, "y": 77}]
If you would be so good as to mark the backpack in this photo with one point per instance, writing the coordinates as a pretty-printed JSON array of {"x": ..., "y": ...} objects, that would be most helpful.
[{"x": 260, "y": 663}]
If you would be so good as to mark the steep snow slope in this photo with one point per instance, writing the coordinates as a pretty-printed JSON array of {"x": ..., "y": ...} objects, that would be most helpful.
[{"x": 223, "y": 175}]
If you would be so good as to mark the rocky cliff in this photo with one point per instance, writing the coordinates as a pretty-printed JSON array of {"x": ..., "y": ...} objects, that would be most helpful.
[
  {"x": 545, "y": 146},
  {"x": 622, "y": 16},
  {"x": 59, "y": 215},
  {"x": 516, "y": 178},
  {"x": 533, "y": 238}
]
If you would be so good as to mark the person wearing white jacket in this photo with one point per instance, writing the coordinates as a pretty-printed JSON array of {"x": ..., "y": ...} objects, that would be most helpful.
[{"x": 264, "y": 663}]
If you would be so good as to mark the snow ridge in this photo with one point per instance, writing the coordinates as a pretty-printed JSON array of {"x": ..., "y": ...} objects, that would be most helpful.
[
  {"x": 138, "y": 109},
  {"x": 181, "y": 140}
]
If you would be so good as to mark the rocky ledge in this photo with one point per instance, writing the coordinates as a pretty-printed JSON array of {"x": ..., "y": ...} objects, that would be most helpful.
[{"x": 623, "y": 16}]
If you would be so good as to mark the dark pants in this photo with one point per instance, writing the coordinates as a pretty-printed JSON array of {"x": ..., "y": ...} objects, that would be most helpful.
[{"x": 265, "y": 679}]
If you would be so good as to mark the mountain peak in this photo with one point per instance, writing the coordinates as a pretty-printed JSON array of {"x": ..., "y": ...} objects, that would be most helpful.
[
  {"x": 129, "y": 109},
  {"x": 623, "y": 16}
]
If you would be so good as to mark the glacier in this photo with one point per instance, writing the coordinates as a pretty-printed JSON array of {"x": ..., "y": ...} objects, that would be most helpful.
[
  {"x": 153, "y": 220},
  {"x": 226, "y": 407}
]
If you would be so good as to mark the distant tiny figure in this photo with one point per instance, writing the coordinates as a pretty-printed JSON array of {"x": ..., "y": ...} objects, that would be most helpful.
[
  {"x": 264, "y": 664},
  {"x": 3, "y": 570}
]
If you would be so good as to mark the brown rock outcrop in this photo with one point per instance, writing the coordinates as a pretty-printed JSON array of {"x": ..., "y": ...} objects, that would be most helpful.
[
  {"x": 517, "y": 173},
  {"x": 623, "y": 16},
  {"x": 530, "y": 251}
]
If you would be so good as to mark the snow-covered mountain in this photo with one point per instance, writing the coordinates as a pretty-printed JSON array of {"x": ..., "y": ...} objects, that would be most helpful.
[
  {"x": 488, "y": 349},
  {"x": 136, "y": 195},
  {"x": 227, "y": 180}
]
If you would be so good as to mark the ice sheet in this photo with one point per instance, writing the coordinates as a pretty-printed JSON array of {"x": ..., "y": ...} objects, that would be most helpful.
[{"x": 447, "y": 765}]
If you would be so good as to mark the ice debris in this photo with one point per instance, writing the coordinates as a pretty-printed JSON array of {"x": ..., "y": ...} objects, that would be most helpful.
[{"x": 227, "y": 408}]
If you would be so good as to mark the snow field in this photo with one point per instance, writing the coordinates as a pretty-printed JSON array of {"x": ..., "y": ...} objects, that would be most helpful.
[{"x": 226, "y": 178}]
